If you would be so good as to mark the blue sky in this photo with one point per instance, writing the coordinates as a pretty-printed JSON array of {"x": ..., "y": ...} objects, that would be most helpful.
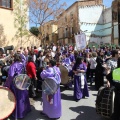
[{"x": 107, "y": 3}]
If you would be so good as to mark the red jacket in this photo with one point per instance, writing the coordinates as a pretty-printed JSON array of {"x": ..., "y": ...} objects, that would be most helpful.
[
  {"x": 31, "y": 69},
  {"x": 36, "y": 51}
]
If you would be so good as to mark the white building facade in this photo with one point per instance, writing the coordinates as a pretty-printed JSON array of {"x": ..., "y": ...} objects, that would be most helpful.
[{"x": 96, "y": 21}]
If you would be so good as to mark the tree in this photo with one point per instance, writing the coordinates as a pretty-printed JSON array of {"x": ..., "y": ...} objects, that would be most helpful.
[
  {"x": 42, "y": 11},
  {"x": 34, "y": 30},
  {"x": 2, "y": 36},
  {"x": 21, "y": 18}
]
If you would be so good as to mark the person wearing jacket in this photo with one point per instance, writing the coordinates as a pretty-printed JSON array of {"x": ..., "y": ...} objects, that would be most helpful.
[
  {"x": 31, "y": 72},
  {"x": 114, "y": 78}
]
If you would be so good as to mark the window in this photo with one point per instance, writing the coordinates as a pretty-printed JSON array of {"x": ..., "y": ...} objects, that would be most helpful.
[
  {"x": 71, "y": 31},
  {"x": 71, "y": 15},
  {"x": 65, "y": 19},
  {"x": 47, "y": 37},
  {"x": 6, "y": 3},
  {"x": 65, "y": 32},
  {"x": 47, "y": 27}
]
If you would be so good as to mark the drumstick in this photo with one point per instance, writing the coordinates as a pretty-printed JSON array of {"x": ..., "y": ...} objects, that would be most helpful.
[
  {"x": 49, "y": 86},
  {"x": 23, "y": 82}
]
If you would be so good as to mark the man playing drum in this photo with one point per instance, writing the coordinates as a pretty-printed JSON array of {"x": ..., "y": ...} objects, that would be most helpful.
[
  {"x": 66, "y": 62},
  {"x": 22, "y": 98},
  {"x": 114, "y": 78},
  {"x": 52, "y": 103}
]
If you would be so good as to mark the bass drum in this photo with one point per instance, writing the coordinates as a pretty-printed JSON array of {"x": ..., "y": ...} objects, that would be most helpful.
[
  {"x": 64, "y": 74},
  {"x": 105, "y": 102},
  {"x": 49, "y": 86},
  {"x": 7, "y": 102},
  {"x": 22, "y": 81}
]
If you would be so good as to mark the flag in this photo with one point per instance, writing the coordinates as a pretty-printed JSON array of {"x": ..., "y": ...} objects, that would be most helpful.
[{"x": 80, "y": 40}]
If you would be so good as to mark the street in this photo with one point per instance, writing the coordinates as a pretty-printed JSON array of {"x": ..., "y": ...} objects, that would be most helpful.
[{"x": 71, "y": 110}]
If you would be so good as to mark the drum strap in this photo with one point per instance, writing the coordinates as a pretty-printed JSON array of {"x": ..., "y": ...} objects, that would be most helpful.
[{"x": 56, "y": 76}]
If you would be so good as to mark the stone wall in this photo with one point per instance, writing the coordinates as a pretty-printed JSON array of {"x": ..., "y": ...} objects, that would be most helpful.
[{"x": 8, "y": 31}]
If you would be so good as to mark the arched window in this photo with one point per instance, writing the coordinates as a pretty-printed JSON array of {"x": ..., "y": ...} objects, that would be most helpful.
[{"x": 6, "y": 3}]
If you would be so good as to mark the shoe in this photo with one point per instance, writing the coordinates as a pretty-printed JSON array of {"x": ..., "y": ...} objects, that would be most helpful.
[
  {"x": 91, "y": 84},
  {"x": 43, "y": 114},
  {"x": 77, "y": 100},
  {"x": 83, "y": 97},
  {"x": 55, "y": 118},
  {"x": 30, "y": 96}
]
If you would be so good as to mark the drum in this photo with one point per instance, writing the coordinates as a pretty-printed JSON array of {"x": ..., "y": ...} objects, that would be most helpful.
[
  {"x": 49, "y": 86},
  {"x": 105, "y": 102},
  {"x": 7, "y": 102},
  {"x": 64, "y": 74},
  {"x": 22, "y": 81}
]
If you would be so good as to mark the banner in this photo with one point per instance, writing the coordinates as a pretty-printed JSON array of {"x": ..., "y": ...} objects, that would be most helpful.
[{"x": 80, "y": 40}]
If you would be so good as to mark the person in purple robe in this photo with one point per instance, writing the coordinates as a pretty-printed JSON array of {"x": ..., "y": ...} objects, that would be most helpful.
[
  {"x": 71, "y": 56},
  {"x": 65, "y": 50},
  {"x": 80, "y": 84},
  {"x": 87, "y": 50},
  {"x": 68, "y": 64},
  {"x": 23, "y": 58},
  {"x": 52, "y": 106},
  {"x": 22, "y": 98},
  {"x": 72, "y": 59},
  {"x": 66, "y": 60}
]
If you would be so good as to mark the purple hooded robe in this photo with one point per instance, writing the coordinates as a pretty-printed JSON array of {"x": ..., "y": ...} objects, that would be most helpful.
[
  {"x": 80, "y": 92},
  {"x": 22, "y": 97},
  {"x": 52, "y": 110}
]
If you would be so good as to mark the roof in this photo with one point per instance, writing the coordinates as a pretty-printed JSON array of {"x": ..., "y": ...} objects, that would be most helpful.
[
  {"x": 70, "y": 7},
  {"x": 74, "y": 4}
]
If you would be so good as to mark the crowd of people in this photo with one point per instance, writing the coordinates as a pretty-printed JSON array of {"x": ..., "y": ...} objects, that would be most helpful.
[{"x": 85, "y": 67}]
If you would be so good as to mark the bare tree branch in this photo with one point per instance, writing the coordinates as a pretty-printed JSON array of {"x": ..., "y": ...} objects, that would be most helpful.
[{"x": 43, "y": 10}]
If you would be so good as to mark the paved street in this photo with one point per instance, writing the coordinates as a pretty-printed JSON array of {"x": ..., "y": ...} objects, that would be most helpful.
[{"x": 71, "y": 110}]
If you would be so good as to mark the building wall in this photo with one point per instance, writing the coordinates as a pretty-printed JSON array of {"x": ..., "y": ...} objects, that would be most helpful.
[
  {"x": 101, "y": 23},
  {"x": 74, "y": 23},
  {"x": 107, "y": 15},
  {"x": 91, "y": 21},
  {"x": 96, "y": 40},
  {"x": 90, "y": 2},
  {"x": 98, "y": 23},
  {"x": 49, "y": 29},
  {"x": 115, "y": 30},
  {"x": 65, "y": 21},
  {"x": 107, "y": 18},
  {"x": 106, "y": 39},
  {"x": 8, "y": 31},
  {"x": 54, "y": 29},
  {"x": 91, "y": 14}
]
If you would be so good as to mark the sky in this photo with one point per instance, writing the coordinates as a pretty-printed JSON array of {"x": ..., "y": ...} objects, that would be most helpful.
[{"x": 107, "y": 3}]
